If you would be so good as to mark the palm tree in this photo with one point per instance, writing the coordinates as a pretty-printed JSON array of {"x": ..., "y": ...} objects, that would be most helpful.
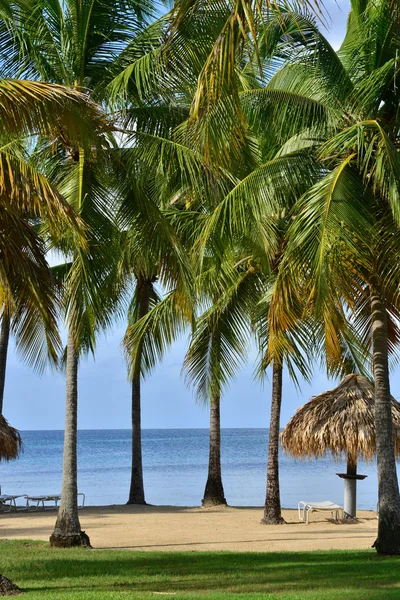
[
  {"x": 343, "y": 241},
  {"x": 90, "y": 297},
  {"x": 73, "y": 43},
  {"x": 218, "y": 347},
  {"x": 152, "y": 252},
  {"x": 293, "y": 347}
]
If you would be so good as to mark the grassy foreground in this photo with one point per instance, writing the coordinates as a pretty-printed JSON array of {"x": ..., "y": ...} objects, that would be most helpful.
[{"x": 110, "y": 575}]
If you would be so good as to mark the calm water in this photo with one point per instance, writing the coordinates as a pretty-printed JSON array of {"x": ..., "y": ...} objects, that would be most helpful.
[{"x": 175, "y": 468}]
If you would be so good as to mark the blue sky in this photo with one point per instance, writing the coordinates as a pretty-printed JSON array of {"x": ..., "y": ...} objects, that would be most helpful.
[{"x": 33, "y": 402}]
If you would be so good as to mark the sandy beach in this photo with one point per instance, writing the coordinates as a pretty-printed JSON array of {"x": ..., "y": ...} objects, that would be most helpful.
[{"x": 194, "y": 528}]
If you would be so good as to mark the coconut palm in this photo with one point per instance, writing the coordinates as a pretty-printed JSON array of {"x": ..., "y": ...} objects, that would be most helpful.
[
  {"x": 292, "y": 348},
  {"x": 218, "y": 347},
  {"x": 343, "y": 241},
  {"x": 73, "y": 43},
  {"x": 152, "y": 253},
  {"x": 364, "y": 162},
  {"x": 91, "y": 292}
]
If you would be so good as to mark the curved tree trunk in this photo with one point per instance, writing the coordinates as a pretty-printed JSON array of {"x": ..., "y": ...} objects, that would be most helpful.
[
  {"x": 67, "y": 530},
  {"x": 136, "y": 492},
  {"x": 4, "y": 337},
  {"x": 7, "y": 587},
  {"x": 272, "y": 509},
  {"x": 388, "y": 540}
]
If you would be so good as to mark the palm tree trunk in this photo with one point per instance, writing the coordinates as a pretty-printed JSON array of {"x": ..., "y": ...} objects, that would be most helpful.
[
  {"x": 388, "y": 540},
  {"x": 4, "y": 337},
  {"x": 214, "y": 490},
  {"x": 7, "y": 587},
  {"x": 67, "y": 530},
  {"x": 272, "y": 508},
  {"x": 136, "y": 492}
]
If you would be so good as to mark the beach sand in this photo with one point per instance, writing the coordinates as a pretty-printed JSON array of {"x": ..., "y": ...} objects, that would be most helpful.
[{"x": 193, "y": 528}]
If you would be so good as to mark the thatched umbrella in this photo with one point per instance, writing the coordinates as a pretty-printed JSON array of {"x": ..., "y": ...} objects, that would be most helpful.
[
  {"x": 10, "y": 447},
  {"x": 10, "y": 441},
  {"x": 340, "y": 421}
]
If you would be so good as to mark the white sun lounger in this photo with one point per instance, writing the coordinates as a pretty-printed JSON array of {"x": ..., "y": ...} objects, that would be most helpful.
[
  {"x": 10, "y": 501},
  {"x": 305, "y": 508},
  {"x": 55, "y": 498}
]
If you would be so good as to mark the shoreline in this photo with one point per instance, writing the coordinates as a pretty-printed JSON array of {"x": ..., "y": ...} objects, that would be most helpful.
[{"x": 172, "y": 528}]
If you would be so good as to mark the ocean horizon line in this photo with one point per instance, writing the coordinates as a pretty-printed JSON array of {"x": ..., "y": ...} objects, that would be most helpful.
[{"x": 148, "y": 429}]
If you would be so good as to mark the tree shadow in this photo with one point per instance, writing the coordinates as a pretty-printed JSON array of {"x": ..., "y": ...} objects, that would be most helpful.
[{"x": 201, "y": 572}]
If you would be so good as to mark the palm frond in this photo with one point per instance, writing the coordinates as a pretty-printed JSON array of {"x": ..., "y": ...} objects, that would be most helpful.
[
  {"x": 220, "y": 338},
  {"x": 147, "y": 340}
]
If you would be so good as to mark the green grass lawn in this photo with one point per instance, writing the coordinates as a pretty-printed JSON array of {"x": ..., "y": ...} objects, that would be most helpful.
[{"x": 110, "y": 575}]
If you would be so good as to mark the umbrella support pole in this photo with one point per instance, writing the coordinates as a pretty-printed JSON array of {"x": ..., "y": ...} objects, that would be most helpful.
[{"x": 350, "y": 490}]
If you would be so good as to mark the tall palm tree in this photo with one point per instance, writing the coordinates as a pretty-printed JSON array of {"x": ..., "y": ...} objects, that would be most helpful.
[
  {"x": 152, "y": 253},
  {"x": 147, "y": 263},
  {"x": 293, "y": 347},
  {"x": 28, "y": 290},
  {"x": 73, "y": 43},
  {"x": 343, "y": 239},
  {"x": 361, "y": 189},
  {"x": 218, "y": 347},
  {"x": 90, "y": 296}
]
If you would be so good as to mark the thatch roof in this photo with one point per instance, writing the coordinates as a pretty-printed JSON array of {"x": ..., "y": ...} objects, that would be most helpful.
[
  {"x": 339, "y": 421},
  {"x": 10, "y": 441}
]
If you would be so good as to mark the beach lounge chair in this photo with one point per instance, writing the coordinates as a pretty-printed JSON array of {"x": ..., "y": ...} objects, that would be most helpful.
[
  {"x": 305, "y": 508},
  {"x": 9, "y": 500},
  {"x": 55, "y": 498}
]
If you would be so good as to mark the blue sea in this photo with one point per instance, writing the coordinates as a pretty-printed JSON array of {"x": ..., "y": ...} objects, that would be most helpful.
[{"x": 175, "y": 468}]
